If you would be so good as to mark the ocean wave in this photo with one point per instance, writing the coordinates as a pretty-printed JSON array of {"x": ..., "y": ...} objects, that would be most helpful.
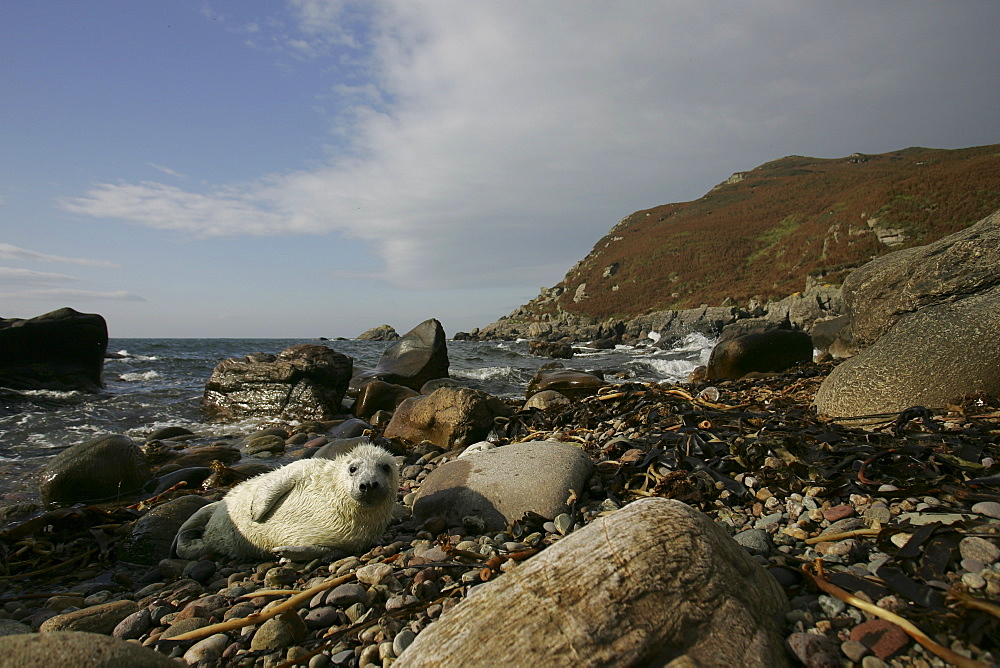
[
  {"x": 672, "y": 370},
  {"x": 45, "y": 394},
  {"x": 139, "y": 376},
  {"x": 487, "y": 373}
]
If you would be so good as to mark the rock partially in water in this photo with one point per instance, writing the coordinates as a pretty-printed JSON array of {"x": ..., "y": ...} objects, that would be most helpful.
[
  {"x": 572, "y": 384},
  {"x": 378, "y": 395},
  {"x": 768, "y": 351},
  {"x": 103, "y": 468},
  {"x": 419, "y": 356},
  {"x": 305, "y": 382},
  {"x": 62, "y": 350}
]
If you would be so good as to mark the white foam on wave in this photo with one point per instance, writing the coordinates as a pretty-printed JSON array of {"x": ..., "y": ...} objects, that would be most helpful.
[
  {"x": 485, "y": 373},
  {"x": 139, "y": 376},
  {"x": 125, "y": 355},
  {"x": 670, "y": 370},
  {"x": 49, "y": 394},
  {"x": 695, "y": 341}
]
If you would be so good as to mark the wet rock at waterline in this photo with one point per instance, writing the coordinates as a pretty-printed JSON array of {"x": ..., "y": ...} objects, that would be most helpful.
[
  {"x": 109, "y": 467},
  {"x": 767, "y": 351},
  {"x": 378, "y": 395},
  {"x": 556, "y": 349},
  {"x": 307, "y": 381},
  {"x": 380, "y": 333},
  {"x": 653, "y": 583},
  {"x": 569, "y": 383},
  {"x": 419, "y": 356},
  {"x": 62, "y": 350},
  {"x": 448, "y": 417},
  {"x": 502, "y": 484}
]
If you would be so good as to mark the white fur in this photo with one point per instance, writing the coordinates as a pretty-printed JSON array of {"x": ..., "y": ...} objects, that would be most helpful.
[{"x": 319, "y": 509}]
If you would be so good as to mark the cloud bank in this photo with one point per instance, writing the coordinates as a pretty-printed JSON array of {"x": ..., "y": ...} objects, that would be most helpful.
[{"x": 489, "y": 143}]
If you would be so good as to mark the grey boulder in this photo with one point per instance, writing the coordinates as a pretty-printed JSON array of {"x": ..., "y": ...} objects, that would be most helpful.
[
  {"x": 654, "y": 583},
  {"x": 502, "y": 484},
  {"x": 103, "y": 468},
  {"x": 73, "y": 648}
]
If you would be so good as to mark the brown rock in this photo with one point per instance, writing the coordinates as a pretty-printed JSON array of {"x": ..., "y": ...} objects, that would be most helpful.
[
  {"x": 70, "y": 648},
  {"x": 448, "y": 417},
  {"x": 377, "y": 395},
  {"x": 572, "y": 384},
  {"x": 767, "y": 351},
  {"x": 882, "y": 637},
  {"x": 95, "y": 619}
]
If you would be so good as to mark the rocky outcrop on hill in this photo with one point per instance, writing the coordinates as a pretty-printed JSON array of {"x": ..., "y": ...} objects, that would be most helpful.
[
  {"x": 307, "y": 381},
  {"x": 932, "y": 318},
  {"x": 62, "y": 350}
]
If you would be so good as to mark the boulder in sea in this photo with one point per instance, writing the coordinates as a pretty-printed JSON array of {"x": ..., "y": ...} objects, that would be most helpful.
[
  {"x": 502, "y": 484},
  {"x": 103, "y": 468},
  {"x": 419, "y": 356},
  {"x": 380, "y": 333},
  {"x": 655, "y": 583},
  {"x": 766, "y": 351},
  {"x": 377, "y": 395},
  {"x": 572, "y": 384},
  {"x": 306, "y": 382},
  {"x": 448, "y": 417},
  {"x": 555, "y": 349},
  {"x": 62, "y": 350}
]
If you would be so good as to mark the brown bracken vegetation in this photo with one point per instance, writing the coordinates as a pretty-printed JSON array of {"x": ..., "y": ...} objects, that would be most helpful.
[{"x": 762, "y": 232}]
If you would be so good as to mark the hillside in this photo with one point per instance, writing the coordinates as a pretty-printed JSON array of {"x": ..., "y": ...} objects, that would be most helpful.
[{"x": 761, "y": 233}]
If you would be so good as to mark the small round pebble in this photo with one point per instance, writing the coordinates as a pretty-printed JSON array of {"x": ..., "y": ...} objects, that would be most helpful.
[
  {"x": 973, "y": 581},
  {"x": 402, "y": 641},
  {"x": 980, "y": 549},
  {"x": 987, "y": 508}
]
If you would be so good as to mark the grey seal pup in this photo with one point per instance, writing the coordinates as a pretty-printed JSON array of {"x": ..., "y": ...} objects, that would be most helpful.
[{"x": 309, "y": 509}]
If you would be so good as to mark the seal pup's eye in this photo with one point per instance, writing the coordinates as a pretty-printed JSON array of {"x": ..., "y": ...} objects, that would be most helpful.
[
  {"x": 385, "y": 468},
  {"x": 353, "y": 469}
]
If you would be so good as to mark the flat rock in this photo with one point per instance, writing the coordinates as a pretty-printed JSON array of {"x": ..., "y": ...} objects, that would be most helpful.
[
  {"x": 72, "y": 648},
  {"x": 652, "y": 583},
  {"x": 502, "y": 484},
  {"x": 95, "y": 619}
]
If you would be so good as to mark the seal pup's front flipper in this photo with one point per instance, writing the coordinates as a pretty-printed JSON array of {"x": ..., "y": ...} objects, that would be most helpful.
[
  {"x": 309, "y": 552},
  {"x": 268, "y": 497},
  {"x": 188, "y": 543}
]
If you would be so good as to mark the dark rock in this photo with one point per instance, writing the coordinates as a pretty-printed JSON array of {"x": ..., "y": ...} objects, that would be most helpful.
[
  {"x": 307, "y": 382},
  {"x": 377, "y": 395},
  {"x": 95, "y": 619},
  {"x": 44, "y": 650},
  {"x": 502, "y": 484},
  {"x": 104, "y": 468},
  {"x": 558, "y": 350},
  {"x": 419, "y": 356},
  {"x": 164, "y": 433},
  {"x": 825, "y": 332},
  {"x": 448, "y": 417},
  {"x": 380, "y": 333},
  {"x": 62, "y": 350},
  {"x": 153, "y": 533},
  {"x": 815, "y": 651},
  {"x": 880, "y": 293},
  {"x": 572, "y": 384},
  {"x": 339, "y": 446},
  {"x": 768, "y": 351}
]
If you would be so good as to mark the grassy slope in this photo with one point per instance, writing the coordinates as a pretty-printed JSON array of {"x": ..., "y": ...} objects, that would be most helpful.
[{"x": 763, "y": 234}]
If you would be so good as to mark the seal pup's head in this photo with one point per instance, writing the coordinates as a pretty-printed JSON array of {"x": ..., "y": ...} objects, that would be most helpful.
[{"x": 371, "y": 473}]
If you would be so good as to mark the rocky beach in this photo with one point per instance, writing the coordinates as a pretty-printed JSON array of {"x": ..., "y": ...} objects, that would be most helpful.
[{"x": 902, "y": 518}]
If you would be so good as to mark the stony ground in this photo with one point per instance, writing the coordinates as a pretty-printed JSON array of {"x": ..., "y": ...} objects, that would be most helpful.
[{"x": 903, "y": 518}]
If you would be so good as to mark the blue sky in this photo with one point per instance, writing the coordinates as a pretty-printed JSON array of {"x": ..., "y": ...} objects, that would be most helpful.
[{"x": 306, "y": 168}]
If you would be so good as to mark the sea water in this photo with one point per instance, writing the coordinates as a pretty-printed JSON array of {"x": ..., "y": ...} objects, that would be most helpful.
[{"x": 153, "y": 383}]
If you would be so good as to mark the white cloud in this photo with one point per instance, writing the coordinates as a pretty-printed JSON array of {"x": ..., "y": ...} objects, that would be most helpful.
[
  {"x": 492, "y": 142},
  {"x": 9, "y": 252},
  {"x": 12, "y": 275},
  {"x": 166, "y": 170},
  {"x": 55, "y": 294}
]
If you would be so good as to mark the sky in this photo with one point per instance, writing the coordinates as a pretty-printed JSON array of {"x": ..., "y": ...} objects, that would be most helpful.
[{"x": 307, "y": 168}]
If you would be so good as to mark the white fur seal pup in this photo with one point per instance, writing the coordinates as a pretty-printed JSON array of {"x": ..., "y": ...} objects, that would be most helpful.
[{"x": 309, "y": 509}]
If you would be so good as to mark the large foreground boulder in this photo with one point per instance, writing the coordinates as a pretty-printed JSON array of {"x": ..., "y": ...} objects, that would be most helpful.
[
  {"x": 73, "y": 648},
  {"x": 766, "y": 351},
  {"x": 929, "y": 358},
  {"x": 305, "y": 382},
  {"x": 62, "y": 350},
  {"x": 652, "y": 583},
  {"x": 419, "y": 356},
  {"x": 880, "y": 293},
  {"x": 502, "y": 484},
  {"x": 448, "y": 417},
  {"x": 103, "y": 468}
]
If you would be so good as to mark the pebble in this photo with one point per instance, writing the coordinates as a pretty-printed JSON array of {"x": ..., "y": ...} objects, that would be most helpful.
[
  {"x": 755, "y": 541},
  {"x": 815, "y": 651},
  {"x": 402, "y": 640},
  {"x": 853, "y": 650},
  {"x": 838, "y": 512},
  {"x": 882, "y": 637},
  {"x": 208, "y": 650},
  {"x": 563, "y": 523},
  {"x": 973, "y": 581},
  {"x": 372, "y": 574},
  {"x": 987, "y": 508},
  {"x": 980, "y": 549},
  {"x": 272, "y": 634}
]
